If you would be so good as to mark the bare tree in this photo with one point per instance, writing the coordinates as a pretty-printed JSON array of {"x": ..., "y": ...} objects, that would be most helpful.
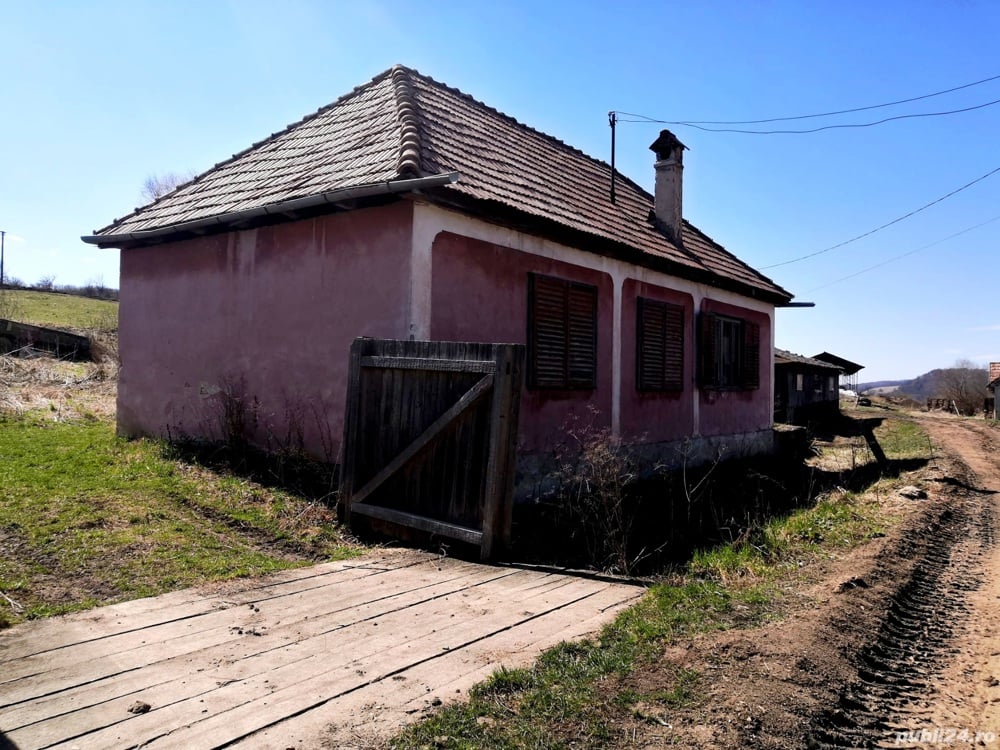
[
  {"x": 157, "y": 186},
  {"x": 965, "y": 385}
]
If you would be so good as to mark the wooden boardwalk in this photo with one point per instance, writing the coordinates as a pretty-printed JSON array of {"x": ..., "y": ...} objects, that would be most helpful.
[{"x": 337, "y": 655}]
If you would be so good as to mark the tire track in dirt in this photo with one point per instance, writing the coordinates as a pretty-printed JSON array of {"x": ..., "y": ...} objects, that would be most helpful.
[{"x": 908, "y": 668}]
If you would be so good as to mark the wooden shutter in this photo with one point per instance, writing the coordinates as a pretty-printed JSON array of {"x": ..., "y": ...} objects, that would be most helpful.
[
  {"x": 660, "y": 346},
  {"x": 562, "y": 333},
  {"x": 707, "y": 349},
  {"x": 582, "y": 328},
  {"x": 751, "y": 355}
]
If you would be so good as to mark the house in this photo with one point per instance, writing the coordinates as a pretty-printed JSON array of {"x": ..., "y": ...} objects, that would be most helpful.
[
  {"x": 991, "y": 400},
  {"x": 806, "y": 389},
  {"x": 407, "y": 209},
  {"x": 849, "y": 370}
]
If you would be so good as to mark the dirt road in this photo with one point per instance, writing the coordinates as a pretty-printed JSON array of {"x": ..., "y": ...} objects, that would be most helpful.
[
  {"x": 963, "y": 696},
  {"x": 907, "y": 658}
]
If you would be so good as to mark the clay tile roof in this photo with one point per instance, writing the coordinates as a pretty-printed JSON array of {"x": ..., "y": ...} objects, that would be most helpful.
[
  {"x": 783, "y": 357},
  {"x": 403, "y": 124}
]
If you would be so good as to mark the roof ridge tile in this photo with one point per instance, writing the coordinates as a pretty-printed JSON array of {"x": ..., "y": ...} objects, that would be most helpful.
[{"x": 408, "y": 163}]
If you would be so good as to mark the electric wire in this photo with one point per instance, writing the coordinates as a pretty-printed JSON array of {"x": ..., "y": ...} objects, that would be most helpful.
[
  {"x": 903, "y": 255},
  {"x": 819, "y": 114},
  {"x": 883, "y": 226},
  {"x": 808, "y": 130}
]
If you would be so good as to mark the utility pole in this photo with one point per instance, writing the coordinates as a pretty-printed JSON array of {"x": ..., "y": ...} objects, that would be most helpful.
[{"x": 2, "y": 235}]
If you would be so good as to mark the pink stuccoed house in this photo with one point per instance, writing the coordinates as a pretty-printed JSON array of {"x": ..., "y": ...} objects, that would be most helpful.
[{"x": 407, "y": 209}]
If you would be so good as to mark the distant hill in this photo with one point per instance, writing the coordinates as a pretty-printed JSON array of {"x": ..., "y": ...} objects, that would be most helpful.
[
  {"x": 881, "y": 386},
  {"x": 952, "y": 383}
]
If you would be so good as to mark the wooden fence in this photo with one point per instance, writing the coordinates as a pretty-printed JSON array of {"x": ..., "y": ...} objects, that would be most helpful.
[{"x": 429, "y": 438}]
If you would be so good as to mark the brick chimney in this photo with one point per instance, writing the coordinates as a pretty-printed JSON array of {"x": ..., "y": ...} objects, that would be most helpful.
[
  {"x": 994, "y": 371},
  {"x": 669, "y": 190}
]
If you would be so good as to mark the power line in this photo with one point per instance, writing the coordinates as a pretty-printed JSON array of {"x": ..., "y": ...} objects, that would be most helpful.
[
  {"x": 831, "y": 114},
  {"x": 643, "y": 118},
  {"x": 904, "y": 255},
  {"x": 887, "y": 224}
]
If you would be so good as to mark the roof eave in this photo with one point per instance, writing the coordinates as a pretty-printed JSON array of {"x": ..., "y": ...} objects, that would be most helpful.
[
  {"x": 500, "y": 213},
  {"x": 286, "y": 209}
]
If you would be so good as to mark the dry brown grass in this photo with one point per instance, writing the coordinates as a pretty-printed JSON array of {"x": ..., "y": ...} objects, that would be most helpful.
[{"x": 68, "y": 390}]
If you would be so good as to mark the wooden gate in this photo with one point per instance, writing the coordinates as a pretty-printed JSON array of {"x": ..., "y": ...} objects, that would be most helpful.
[{"x": 429, "y": 437}]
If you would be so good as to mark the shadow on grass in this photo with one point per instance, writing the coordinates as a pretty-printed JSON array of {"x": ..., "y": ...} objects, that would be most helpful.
[{"x": 293, "y": 472}]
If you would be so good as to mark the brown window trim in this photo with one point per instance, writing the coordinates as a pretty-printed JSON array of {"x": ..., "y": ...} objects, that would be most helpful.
[
  {"x": 659, "y": 346},
  {"x": 562, "y": 334}
]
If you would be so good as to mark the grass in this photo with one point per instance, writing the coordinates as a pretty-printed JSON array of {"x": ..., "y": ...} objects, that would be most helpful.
[
  {"x": 576, "y": 693},
  {"x": 89, "y": 519},
  {"x": 58, "y": 310},
  {"x": 903, "y": 439}
]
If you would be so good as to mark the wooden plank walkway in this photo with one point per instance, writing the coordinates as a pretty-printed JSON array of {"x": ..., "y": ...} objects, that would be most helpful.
[{"x": 338, "y": 655}]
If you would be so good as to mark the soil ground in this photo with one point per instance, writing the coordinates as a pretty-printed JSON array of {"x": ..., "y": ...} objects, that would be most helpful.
[{"x": 896, "y": 644}]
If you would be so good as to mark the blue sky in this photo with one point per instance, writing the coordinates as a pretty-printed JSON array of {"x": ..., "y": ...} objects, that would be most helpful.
[{"x": 98, "y": 96}]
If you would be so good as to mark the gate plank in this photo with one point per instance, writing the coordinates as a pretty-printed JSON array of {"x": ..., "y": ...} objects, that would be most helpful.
[
  {"x": 451, "y": 474},
  {"x": 440, "y": 424},
  {"x": 431, "y": 365},
  {"x": 450, "y": 530}
]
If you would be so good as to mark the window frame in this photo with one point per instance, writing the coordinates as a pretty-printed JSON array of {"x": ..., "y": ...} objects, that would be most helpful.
[
  {"x": 575, "y": 304},
  {"x": 737, "y": 368}
]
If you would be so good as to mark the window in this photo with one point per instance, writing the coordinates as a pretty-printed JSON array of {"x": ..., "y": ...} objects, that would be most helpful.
[
  {"x": 659, "y": 346},
  {"x": 800, "y": 381},
  {"x": 729, "y": 353},
  {"x": 562, "y": 333}
]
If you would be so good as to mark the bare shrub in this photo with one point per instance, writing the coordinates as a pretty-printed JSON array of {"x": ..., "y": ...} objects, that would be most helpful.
[{"x": 595, "y": 475}]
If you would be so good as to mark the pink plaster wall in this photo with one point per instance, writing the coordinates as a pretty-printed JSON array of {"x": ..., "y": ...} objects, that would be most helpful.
[
  {"x": 732, "y": 412},
  {"x": 269, "y": 313},
  {"x": 480, "y": 293},
  {"x": 650, "y": 417}
]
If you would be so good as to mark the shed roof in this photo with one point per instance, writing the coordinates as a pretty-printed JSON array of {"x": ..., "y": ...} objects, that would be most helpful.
[
  {"x": 403, "y": 125},
  {"x": 849, "y": 368},
  {"x": 783, "y": 357}
]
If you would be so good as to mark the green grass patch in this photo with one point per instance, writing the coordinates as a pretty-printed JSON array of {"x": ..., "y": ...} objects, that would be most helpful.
[
  {"x": 88, "y": 518},
  {"x": 59, "y": 310},
  {"x": 902, "y": 438}
]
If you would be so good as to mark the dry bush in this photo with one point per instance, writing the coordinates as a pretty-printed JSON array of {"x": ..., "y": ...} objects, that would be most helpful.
[{"x": 595, "y": 475}]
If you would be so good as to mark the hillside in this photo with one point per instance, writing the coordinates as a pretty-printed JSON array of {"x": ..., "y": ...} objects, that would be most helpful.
[
  {"x": 58, "y": 310},
  {"x": 963, "y": 386},
  {"x": 880, "y": 386}
]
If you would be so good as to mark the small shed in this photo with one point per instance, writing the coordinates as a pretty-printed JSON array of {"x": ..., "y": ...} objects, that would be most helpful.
[
  {"x": 992, "y": 386},
  {"x": 848, "y": 370},
  {"x": 806, "y": 389}
]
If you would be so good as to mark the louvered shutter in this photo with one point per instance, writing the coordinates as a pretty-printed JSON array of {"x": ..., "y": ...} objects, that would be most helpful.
[
  {"x": 582, "y": 325},
  {"x": 562, "y": 331},
  {"x": 650, "y": 346},
  {"x": 673, "y": 348},
  {"x": 751, "y": 355},
  {"x": 660, "y": 346},
  {"x": 707, "y": 349}
]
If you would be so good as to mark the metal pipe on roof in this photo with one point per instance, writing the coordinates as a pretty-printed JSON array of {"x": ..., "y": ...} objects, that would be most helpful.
[{"x": 295, "y": 204}]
